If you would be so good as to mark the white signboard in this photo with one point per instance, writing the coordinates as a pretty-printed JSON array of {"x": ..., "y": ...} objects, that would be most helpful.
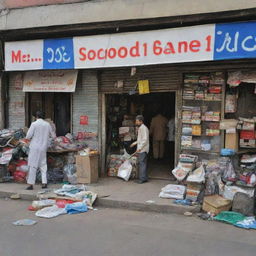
[
  {"x": 50, "y": 81},
  {"x": 186, "y": 44},
  {"x": 140, "y": 48}
]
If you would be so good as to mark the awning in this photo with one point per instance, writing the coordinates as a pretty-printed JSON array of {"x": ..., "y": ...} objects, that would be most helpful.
[{"x": 50, "y": 81}]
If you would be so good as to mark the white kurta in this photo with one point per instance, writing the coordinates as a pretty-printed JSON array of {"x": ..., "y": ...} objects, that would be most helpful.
[{"x": 39, "y": 133}]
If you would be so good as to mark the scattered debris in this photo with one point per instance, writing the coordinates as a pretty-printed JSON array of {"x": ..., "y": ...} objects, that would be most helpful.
[
  {"x": 15, "y": 196},
  {"x": 24, "y": 222}
]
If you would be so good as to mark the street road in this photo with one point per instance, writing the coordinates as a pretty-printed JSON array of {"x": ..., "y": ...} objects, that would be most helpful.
[{"x": 113, "y": 232}]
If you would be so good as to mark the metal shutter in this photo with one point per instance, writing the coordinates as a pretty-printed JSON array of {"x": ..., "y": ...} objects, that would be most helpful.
[
  {"x": 161, "y": 78},
  {"x": 16, "y": 103},
  {"x": 85, "y": 101}
]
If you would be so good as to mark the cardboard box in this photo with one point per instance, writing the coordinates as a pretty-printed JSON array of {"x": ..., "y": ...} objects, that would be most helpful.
[
  {"x": 87, "y": 169},
  {"x": 231, "y": 141},
  {"x": 216, "y": 204}
]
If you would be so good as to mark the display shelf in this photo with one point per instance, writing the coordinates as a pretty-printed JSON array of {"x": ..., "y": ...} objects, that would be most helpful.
[
  {"x": 202, "y": 100},
  {"x": 203, "y": 135},
  {"x": 207, "y": 106},
  {"x": 200, "y": 151}
]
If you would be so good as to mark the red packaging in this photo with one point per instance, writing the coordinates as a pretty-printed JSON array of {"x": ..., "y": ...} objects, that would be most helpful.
[
  {"x": 19, "y": 176},
  {"x": 247, "y": 135}
]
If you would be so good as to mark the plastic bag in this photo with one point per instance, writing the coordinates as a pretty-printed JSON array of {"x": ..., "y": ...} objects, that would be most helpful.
[
  {"x": 74, "y": 208},
  {"x": 230, "y": 191},
  {"x": 229, "y": 173},
  {"x": 180, "y": 173},
  {"x": 69, "y": 170},
  {"x": 50, "y": 212},
  {"x": 125, "y": 170},
  {"x": 197, "y": 175},
  {"x": 24, "y": 222},
  {"x": 19, "y": 176},
  {"x": 172, "y": 191},
  {"x": 43, "y": 203}
]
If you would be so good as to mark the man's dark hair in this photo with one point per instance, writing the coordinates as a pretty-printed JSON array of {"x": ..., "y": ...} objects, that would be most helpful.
[
  {"x": 40, "y": 114},
  {"x": 140, "y": 118}
]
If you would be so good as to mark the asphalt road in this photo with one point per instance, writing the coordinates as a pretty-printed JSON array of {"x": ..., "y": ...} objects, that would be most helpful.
[{"x": 112, "y": 232}]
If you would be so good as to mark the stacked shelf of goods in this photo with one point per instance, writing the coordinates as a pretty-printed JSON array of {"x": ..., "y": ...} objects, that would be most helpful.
[{"x": 201, "y": 112}]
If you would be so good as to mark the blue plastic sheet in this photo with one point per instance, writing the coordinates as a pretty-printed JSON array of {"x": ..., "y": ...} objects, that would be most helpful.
[{"x": 75, "y": 208}]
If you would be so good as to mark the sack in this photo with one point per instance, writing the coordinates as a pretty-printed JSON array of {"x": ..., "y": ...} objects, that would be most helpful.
[
  {"x": 125, "y": 170},
  {"x": 197, "y": 175},
  {"x": 180, "y": 173},
  {"x": 172, "y": 191},
  {"x": 50, "y": 212}
]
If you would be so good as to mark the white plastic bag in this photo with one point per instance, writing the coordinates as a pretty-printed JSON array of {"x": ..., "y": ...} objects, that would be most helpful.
[
  {"x": 125, "y": 170},
  {"x": 230, "y": 191},
  {"x": 197, "y": 175},
  {"x": 180, "y": 173},
  {"x": 43, "y": 203},
  {"x": 50, "y": 212},
  {"x": 173, "y": 191}
]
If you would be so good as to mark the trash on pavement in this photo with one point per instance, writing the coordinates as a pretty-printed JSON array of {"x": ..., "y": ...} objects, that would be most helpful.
[
  {"x": 24, "y": 222},
  {"x": 75, "y": 208},
  {"x": 43, "y": 203},
  {"x": 187, "y": 202},
  {"x": 247, "y": 223},
  {"x": 50, "y": 212},
  {"x": 15, "y": 196}
]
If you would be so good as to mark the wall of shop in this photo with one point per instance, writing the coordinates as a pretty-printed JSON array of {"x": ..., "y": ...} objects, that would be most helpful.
[
  {"x": 95, "y": 11},
  {"x": 16, "y": 102},
  {"x": 85, "y": 101},
  {"x": 1, "y": 103}
]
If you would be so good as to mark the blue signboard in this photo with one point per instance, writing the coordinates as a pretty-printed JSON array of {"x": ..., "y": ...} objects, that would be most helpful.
[
  {"x": 58, "y": 54},
  {"x": 235, "y": 41}
]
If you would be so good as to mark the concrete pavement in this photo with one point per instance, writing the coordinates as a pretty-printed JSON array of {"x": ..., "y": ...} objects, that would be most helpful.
[
  {"x": 115, "y": 232},
  {"x": 116, "y": 193}
]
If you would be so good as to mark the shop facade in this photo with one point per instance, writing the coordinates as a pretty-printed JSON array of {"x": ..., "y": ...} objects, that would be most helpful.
[{"x": 109, "y": 65}]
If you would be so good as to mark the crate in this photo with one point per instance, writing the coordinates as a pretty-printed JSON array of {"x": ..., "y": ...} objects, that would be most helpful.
[{"x": 216, "y": 204}]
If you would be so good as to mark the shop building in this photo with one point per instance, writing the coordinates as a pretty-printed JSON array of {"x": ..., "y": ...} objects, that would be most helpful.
[{"x": 187, "y": 69}]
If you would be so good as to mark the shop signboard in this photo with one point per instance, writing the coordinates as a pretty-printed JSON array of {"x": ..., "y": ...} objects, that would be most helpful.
[
  {"x": 50, "y": 81},
  {"x": 175, "y": 45}
]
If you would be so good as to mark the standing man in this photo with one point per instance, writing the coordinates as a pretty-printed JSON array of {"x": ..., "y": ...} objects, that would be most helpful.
[
  {"x": 142, "y": 148},
  {"x": 158, "y": 130},
  {"x": 39, "y": 133}
]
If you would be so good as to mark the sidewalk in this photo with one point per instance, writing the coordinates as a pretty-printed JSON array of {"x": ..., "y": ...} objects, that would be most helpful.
[{"x": 114, "y": 193}]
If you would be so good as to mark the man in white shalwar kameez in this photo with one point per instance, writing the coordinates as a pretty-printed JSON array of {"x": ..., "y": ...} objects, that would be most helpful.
[{"x": 39, "y": 133}]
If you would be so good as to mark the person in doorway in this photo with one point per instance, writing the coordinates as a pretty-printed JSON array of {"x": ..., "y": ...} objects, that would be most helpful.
[
  {"x": 129, "y": 137},
  {"x": 171, "y": 138},
  {"x": 142, "y": 148},
  {"x": 158, "y": 131},
  {"x": 39, "y": 133}
]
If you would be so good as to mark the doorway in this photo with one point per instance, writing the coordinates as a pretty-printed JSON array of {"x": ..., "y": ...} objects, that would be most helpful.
[
  {"x": 148, "y": 105},
  {"x": 56, "y": 106}
]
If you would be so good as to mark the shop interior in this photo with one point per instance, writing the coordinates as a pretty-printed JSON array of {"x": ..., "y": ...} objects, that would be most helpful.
[
  {"x": 56, "y": 106},
  {"x": 149, "y": 105}
]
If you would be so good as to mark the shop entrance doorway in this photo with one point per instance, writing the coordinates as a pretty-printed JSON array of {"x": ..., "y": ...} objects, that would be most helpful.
[
  {"x": 56, "y": 106},
  {"x": 121, "y": 110}
]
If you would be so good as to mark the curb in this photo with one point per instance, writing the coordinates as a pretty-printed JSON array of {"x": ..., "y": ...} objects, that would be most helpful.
[
  {"x": 128, "y": 205},
  {"x": 145, "y": 207}
]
